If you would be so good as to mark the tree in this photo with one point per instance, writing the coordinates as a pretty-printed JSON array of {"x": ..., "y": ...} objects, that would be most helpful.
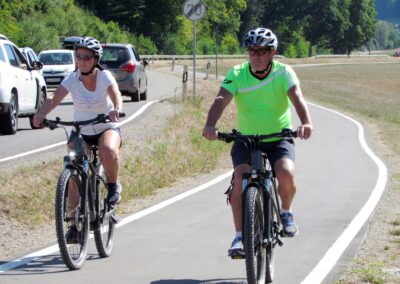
[{"x": 362, "y": 25}]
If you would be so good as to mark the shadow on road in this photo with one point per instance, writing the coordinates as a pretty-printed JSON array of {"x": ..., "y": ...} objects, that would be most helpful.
[{"x": 194, "y": 281}]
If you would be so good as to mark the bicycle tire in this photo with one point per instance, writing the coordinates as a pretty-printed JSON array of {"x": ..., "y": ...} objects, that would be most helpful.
[
  {"x": 271, "y": 235},
  {"x": 104, "y": 230},
  {"x": 253, "y": 227},
  {"x": 73, "y": 255}
]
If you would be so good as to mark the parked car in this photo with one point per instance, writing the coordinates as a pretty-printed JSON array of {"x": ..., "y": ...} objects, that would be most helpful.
[
  {"x": 128, "y": 70},
  {"x": 57, "y": 64},
  {"x": 22, "y": 88},
  {"x": 31, "y": 57},
  {"x": 69, "y": 42}
]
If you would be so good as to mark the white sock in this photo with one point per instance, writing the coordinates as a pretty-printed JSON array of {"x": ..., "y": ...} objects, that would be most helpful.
[
  {"x": 286, "y": 211},
  {"x": 238, "y": 235}
]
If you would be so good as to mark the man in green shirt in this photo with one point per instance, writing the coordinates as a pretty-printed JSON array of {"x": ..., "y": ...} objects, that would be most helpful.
[{"x": 263, "y": 90}]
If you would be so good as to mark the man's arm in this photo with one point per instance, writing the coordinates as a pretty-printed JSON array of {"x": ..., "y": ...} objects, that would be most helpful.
[
  {"x": 222, "y": 100},
  {"x": 296, "y": 96}
]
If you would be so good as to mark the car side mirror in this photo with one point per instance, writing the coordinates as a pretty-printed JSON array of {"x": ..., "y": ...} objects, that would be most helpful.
[{"x": 37, "y": 65}]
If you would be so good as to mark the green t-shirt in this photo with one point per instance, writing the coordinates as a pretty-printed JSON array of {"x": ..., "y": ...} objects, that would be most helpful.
[{"x": 263, "y": 106}]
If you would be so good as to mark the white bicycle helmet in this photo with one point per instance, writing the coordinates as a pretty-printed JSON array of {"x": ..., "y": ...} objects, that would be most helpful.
[
  {"x": 261, "y": 37},
  {"x": 90, "y": 43}
]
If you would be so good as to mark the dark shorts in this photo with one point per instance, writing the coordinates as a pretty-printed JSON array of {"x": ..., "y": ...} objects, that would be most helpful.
[
  {"x": 274, "y": 150},
  {"x": 93, "y": 139}
]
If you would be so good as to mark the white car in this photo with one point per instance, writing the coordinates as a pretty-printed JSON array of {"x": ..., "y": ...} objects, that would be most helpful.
[
  {"x": 57, "y": 64},
  {"x": 22, "y": 88}
]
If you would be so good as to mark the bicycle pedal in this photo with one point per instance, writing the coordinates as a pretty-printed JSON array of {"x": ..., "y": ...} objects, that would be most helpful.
[
  {"x": 279, "y": 242},
  {"x": 114, "y": 219},
  {"x": 238, "y": 257}
]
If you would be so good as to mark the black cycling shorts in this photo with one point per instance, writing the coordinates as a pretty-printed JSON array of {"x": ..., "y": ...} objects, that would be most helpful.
[
  {"x": 274, "y": 150},
  {"x": 93, "y": 139}
]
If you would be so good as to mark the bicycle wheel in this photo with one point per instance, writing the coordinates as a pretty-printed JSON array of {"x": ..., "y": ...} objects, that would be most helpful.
[
  {"x": 72, "y": 228},
  {"x": 271, "y": 231},
  {"x": 253, "y": 227},
  {"x": 104, "y": 229}
]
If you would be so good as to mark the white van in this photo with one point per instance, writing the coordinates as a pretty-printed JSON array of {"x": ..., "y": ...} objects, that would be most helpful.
[{"x": 57, "y": 64}]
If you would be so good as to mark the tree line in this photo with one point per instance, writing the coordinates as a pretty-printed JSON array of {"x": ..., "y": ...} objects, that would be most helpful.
[{"x": 304, "y": 27}]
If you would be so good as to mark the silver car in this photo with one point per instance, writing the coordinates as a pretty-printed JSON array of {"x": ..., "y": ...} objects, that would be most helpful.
[{"x": 128, "y": 70}]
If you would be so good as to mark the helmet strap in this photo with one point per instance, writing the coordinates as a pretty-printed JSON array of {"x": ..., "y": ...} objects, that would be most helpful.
[{"x": 90, "y": 71}]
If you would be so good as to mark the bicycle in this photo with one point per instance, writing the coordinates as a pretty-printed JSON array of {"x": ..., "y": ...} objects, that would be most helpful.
[
  {"x": 262, "y": 226},
  {"x": 80, "y": 202}
]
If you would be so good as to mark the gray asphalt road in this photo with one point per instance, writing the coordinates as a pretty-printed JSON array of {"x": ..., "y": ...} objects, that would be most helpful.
[
  {"x": 161, "y": 85},
  {"x": 187, "y": 242}
]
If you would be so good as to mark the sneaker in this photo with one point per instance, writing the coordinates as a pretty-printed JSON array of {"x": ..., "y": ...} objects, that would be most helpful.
[
  {"x": 114, "y": 193},
  {"x": 236, "y": 250},
  {"x": 289, "y": 227},
  {"x": 72, "y": 235}
]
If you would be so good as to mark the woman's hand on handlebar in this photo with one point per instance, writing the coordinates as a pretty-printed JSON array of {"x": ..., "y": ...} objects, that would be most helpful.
[
  {"x": 210, "y": 133},
  {"x": 38, "y": 120},
  {"x": 304, "y": 131},
  {"x": 114, "y": 115}
]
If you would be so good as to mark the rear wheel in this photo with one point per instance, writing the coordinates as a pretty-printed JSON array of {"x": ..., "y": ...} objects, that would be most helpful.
[
  {"x": 9, "y": 120},
  {"x": 271, "y": 230},
  {"x": 135, "y": 96},
  {"x": 72, "y": 228},
  {"x": 143, "y": 96},
  {"x": 104, "y": 229},
  {"x": 253, "y": 228}
]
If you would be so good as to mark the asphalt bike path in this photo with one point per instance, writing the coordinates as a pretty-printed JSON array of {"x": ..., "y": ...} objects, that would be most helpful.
[{"x": 187, "y": 241}]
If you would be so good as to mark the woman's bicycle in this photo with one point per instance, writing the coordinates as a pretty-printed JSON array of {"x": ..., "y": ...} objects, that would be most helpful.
[
  {"x": 80, "y": 203},
  {"x": 262, "y": 226}
]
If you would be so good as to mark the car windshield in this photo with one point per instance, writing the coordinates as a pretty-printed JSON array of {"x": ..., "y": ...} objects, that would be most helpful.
[
  {"x": 56, "y": 58},
  {"x": 114, "y": 56}
]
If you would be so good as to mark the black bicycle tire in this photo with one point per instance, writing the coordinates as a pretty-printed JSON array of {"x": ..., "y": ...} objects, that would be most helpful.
[
  {"x": 104, "y": 233},
  {"x": 270, "y": 218},
  {"x": 254, "y": 250},
  {"x": 73, "y": 263}
]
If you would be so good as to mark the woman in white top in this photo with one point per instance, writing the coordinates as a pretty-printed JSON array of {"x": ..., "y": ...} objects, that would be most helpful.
[{"x": 94, "y": 91}]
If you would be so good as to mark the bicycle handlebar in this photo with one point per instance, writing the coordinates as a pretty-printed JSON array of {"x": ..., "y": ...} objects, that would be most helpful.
[
  {"x": 101, "y": 118},
  {"x": 229, "y": 137}
]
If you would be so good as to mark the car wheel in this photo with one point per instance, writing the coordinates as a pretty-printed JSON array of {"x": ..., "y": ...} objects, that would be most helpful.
[
  {"x": 135, "y": 97},
  {"x": 9, "y": 120},
  {"x": 143, "y": 96},
  {"x": 40, "y": 103}
]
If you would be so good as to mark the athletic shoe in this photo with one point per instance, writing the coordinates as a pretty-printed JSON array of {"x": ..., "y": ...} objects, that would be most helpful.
[
  {"x": 236, "y": 250},
  {"x": 114, "y": 193},
  {"x": 289, "y": 227}
]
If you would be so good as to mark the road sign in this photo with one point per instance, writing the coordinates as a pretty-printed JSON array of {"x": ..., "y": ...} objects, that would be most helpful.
[{"x": 194, "y": 9}]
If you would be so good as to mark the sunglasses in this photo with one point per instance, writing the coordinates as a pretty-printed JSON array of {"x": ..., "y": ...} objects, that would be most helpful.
[
  {"x": 258, "y": 51},
  {"x": 83, "y": 57}
]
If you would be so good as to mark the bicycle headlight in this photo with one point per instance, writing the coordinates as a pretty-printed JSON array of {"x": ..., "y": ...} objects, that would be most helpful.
[{"x": 72, "y": 155}]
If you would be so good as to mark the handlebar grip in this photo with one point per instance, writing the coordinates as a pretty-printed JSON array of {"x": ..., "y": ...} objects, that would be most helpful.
[{"x": 122, "y": 114}]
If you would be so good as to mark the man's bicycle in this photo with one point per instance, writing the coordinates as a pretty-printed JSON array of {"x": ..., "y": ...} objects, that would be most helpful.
[
  {"x": 262, "y": 226},
  {"x": 80, "y": 203}
]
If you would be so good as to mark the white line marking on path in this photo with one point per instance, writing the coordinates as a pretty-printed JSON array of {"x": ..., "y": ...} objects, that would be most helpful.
[
  {"x": 44, "y": 252},
  {"x": 330, "y": 258},
  {"x": 135, "y": 115}
]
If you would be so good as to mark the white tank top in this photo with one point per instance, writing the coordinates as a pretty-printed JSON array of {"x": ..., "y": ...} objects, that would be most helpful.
[{"x": 88, "y": 104}]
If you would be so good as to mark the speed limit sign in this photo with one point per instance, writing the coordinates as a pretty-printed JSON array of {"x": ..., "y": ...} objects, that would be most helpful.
[{"x": 194, "y": 9}]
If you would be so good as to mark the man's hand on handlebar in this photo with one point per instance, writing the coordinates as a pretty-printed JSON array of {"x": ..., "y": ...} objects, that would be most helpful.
[
  {"x": 210, "y": 133},
  {"x": 304, "y": 131}
]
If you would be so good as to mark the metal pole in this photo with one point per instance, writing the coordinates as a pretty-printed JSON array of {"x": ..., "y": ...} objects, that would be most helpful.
[
  {"x": 194, "y": 59},
  {"x": 216, "y": 54}
]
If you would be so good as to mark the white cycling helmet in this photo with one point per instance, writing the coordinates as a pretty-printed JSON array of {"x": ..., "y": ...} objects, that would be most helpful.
[
  {"x": 90, "y": 43},
  {"x": 261, "y": 37}
]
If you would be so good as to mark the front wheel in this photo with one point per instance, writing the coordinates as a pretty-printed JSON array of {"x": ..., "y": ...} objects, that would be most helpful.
[
  {"x": 104, "y": 228},
  {"x": 71, "y": 226},
  {"x": 253, "y": 228}
]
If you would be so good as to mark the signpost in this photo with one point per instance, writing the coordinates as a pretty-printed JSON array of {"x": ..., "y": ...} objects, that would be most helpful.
[{"x": 194, "y": 10}]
